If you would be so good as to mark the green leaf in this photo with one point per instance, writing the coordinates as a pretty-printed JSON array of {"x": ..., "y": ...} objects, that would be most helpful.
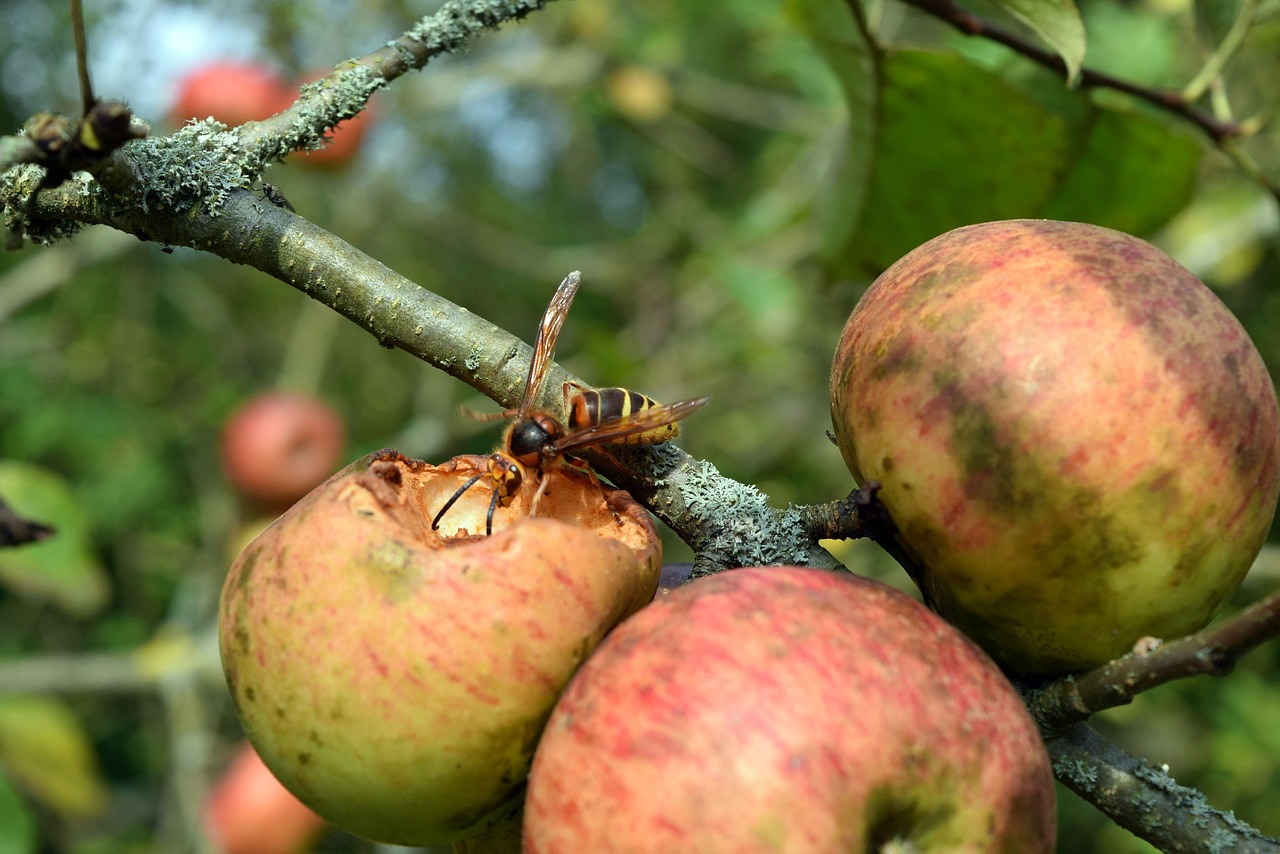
[
  {"x": 843, "y": 41},
  {"x": 63, "y": 567},
  {"x": 17, "y": 824},
  {"x": 1058, "y": 24},
  {"x": 957, "y": 145},
  {"x": 1131, "y": 172},
  {"x": 46, "y": 751}
]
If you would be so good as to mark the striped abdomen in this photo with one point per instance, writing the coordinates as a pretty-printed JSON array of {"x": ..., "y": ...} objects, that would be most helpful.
[{"x": 591, "y": 406}]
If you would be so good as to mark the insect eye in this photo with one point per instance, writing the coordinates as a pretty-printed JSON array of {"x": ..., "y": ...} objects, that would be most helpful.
[
  {"x": 548, "y": 425},
  {"x": 506, "y": 475}
]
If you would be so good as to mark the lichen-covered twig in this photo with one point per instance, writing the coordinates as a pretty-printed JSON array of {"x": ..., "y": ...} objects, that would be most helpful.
[
  {"x": 726, "y": 523},
  {"x": 344, "y": 92},
  {"x": 1145, "y": 800},
  {"x": 199, "y": 164}
]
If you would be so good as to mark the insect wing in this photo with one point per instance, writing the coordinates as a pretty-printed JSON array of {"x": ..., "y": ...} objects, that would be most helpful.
[
  {"x": 545, "y": 344},
  {"x": 636, "y": 422}
]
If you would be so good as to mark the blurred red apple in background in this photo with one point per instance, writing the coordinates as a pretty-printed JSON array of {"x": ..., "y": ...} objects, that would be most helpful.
[
  {"x": 233, "y": 92},
  {"x": 248, "y": 811},
  {"x": 783, "y": 709},
  {"x": 280, "y": 445}
]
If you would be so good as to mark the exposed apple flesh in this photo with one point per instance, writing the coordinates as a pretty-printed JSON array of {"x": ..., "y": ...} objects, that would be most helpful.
[
  {"x": 1076, "y": 438},
  {"x": 789, "y": 710},
  {"x": 395, "y": 678}
]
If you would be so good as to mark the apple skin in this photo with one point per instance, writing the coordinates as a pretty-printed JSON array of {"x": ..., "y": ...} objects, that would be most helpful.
[
  {"x": 396, "y": 678},
  {"x": 783, "y": 709},
  {"x": 280, "y": 445},
  {"x": 1076, "y": 439},
  {"x": 232, "y": 92},
  {"x": 248, "y": 811}
]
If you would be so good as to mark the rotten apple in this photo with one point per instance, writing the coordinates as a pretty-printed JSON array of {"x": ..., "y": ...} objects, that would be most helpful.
[
  {"x": 784, "y": 709},
  {"x": 1075, "y": 438},
  {"x": 395, "y": 677}
]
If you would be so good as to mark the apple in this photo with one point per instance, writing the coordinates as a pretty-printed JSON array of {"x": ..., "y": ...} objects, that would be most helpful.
[
  {"x": 279, "y": 445},
  {"x": 343, "y": 141},
  {"x": 1075, "y": 438},
  {"x": 396, "y": 678},
  {"x": 233, "y": 92},
  {"x": 248, "y": 812},
  {"x": 784, "y": 709}
]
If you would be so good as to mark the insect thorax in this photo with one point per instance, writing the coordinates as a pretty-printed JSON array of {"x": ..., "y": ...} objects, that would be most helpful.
[{"x": 530, "y": 436}]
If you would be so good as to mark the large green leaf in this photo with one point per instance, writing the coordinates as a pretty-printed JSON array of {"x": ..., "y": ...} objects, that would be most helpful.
[
  {"x": 957, "y": 145},
  {"x": 63, "y": 567},
  {"x": 842, "y": 40},
  {"x": 1130, "y": 172},
  {"x": 1057, "y": 23}
]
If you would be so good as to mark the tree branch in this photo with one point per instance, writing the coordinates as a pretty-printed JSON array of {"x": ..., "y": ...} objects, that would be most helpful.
[
  {"x": 1144, "y": 800},
  {"x": 344, "y": 93},
  {"x": 1212, "y": 652}
]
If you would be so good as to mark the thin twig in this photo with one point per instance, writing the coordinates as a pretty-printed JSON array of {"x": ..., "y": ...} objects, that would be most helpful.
[
  {"x": 1230, "y": 43},
  {"x": 1212, "y": 652},
  {"x": 1219, "y": 131},
  {"x": 82, "y": 56}
]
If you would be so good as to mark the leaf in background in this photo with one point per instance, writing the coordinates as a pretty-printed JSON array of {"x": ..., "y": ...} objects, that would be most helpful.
[
  {"x": 1130, "y": 172},
  {"x": 842, "y": 41},
  {"x": 17, "y": 824},
  {"x": 62, "y": 568},
  {"x": 1058, "y": 24},
  {"x": 44, "y": 749},
  {"x": 958, "y": 145}
]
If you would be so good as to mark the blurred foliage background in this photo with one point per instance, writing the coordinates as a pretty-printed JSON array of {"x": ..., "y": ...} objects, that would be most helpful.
[{"x": 728, "y": 186}]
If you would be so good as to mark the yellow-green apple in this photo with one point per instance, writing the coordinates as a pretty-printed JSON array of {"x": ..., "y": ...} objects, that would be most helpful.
[
  {"x": 1075, "y": 438},
  {"x": 279, "y": 445},
  {"x": 784, "y": 709},
  {"x": 396, "y": 677}
]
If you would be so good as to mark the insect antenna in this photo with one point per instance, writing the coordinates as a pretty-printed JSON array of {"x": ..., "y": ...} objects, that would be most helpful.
[
  {"x": 435, "y": 523},
  {"x": 493, "y": 505}
]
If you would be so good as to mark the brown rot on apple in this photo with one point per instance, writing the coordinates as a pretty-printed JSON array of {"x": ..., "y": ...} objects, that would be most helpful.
[
  {"x": 396, "y": 677},
  {"x": 1076, "y": 439},
  {"x": 784, "y": 709}
]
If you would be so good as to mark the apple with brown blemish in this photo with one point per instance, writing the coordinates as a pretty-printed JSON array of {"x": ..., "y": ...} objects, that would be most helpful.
[{"x": 1076, "y": 439}]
